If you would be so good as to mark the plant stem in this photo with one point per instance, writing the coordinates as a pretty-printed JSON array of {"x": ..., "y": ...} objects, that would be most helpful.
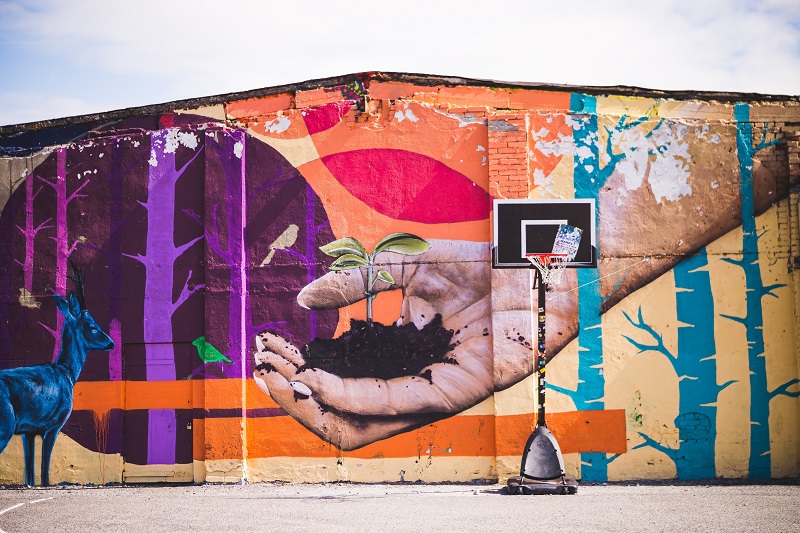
[{"x": 370, "y": 295}]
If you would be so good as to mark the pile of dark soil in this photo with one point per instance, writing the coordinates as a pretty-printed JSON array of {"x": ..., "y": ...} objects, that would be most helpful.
[{"x": 380, "y": 351}]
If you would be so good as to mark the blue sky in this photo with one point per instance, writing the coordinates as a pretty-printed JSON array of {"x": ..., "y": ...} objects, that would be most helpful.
[{"x": 63, "y": 58}]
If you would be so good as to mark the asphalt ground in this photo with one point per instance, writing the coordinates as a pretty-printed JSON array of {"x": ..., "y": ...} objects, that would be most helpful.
[{"x": 400, "y": 507}]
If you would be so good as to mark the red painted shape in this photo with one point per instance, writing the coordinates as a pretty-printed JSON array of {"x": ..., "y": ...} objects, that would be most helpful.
[
  {"x": 326, "y": 116},
  {"x": 167, "y": 120},
  {"x": 409, "y": 186}
]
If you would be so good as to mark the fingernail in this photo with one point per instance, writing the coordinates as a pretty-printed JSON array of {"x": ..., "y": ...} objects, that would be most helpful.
[{"x": 300, "y": 388}]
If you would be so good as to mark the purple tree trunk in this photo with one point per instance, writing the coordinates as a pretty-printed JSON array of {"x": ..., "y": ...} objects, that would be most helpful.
[
  {"x": 29, "y": 232},
  {"x": 63, "y": 247},
  {"x": 159, "y": 260}
]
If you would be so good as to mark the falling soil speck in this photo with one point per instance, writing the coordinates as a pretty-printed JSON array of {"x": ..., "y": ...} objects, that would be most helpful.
[
  {"x": 380, "y": 351},
  {"x": 266, "y": 367}
]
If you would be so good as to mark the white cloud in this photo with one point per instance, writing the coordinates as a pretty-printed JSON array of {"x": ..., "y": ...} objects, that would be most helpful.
[{"x": 196, "y": 48}]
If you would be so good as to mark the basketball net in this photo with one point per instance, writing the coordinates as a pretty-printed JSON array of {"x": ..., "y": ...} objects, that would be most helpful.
[{"x": 550, "y": 266}]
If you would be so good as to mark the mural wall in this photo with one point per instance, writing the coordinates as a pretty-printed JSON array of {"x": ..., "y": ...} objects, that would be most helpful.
[{"x": 298, "y": 287}]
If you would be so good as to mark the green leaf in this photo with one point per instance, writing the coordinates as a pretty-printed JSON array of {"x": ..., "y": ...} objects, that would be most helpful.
[
  {"x": 348, "y": 245},
  {"x": 348, "y": 261},
  {"x": 385, "y": 276},
  {"x": 402, "y": 243}
]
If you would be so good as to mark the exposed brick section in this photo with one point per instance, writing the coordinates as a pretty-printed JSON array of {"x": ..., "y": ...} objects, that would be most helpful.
[
  {"x": 508, "y": 156},
  {"x": 791, "y": 136},
  {"x": 255, "y": 107},
  {"x": 782, "y": 163},
  {"x": 318, "y": 97}
]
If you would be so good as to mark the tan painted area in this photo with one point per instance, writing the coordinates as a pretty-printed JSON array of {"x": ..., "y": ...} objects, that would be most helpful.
[
  {"x": 178, "y": 473},
  {"x": 694, "y": 109},
  {"x": 224, "y": 470},
  {"x": 70, "y": 463},
  {"x": 216, "y": 112},
  {"x": 486, "y": 407},
  {"x": 616, "y": 106},
  {"x": 733, "y": 412},
  {"x": 325, "y": 470},
  {"x": 643, "y": 384},
  {"x": 780, "y": 353},
  {"x": 296, "y": 151},
  {"x": 561, "y": 182}
]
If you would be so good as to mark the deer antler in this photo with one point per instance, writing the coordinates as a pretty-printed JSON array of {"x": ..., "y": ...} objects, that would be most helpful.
[{"x": 77, "y": 279}]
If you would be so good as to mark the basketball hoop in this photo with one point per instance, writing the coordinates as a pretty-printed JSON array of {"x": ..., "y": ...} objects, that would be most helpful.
[{"x": 550, "y": 266}]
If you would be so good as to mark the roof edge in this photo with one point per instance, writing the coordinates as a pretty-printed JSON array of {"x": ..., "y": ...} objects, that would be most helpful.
[{"x": 416, "y": 79}]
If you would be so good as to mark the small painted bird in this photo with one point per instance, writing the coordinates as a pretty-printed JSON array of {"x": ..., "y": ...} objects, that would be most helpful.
[{"x": 207, "y": 352}]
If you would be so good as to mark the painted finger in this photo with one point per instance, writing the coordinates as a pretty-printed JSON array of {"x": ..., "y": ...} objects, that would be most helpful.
[{"x": 269, "y": 342}]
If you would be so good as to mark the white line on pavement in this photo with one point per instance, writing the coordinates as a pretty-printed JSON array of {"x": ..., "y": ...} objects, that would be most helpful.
[
  {"x": 42, "y": 500},
  {"x": 4, "y": 511}
]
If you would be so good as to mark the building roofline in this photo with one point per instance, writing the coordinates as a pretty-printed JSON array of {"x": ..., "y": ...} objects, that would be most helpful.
[{"x": 416, "y": 79}]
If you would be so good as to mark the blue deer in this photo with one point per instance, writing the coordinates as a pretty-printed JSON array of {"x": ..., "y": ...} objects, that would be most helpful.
[{"x": 37, "y": 400}]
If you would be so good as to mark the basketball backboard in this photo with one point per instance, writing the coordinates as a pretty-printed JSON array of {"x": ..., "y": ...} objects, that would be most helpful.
[{"x": 530, "y": 226}]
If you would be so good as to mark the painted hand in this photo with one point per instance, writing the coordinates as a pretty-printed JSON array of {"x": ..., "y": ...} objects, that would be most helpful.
[{"x": 453, "y": 279}]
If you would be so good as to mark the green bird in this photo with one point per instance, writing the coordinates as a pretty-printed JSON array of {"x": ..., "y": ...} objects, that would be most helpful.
[{"x": 207, "y": 352}]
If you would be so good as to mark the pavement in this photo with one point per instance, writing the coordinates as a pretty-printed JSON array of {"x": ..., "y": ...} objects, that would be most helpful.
[{"x": 400, "y": 507}]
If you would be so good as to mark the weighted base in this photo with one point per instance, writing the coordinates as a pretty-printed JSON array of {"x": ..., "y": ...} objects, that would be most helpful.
[{"x": 526, "y": 485}]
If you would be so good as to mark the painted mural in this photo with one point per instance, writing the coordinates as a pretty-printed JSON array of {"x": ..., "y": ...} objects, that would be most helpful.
[{"x": 299, "y": 287}]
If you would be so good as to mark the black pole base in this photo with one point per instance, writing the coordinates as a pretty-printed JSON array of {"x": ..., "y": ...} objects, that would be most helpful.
[{"x": 527, "y": 486}]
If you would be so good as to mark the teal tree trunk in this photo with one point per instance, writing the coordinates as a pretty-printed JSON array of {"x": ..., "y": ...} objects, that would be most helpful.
[
  {"x": 753, "y": 321},
  {"x": 696, "y": 368},
  {"x": 589, "y": 179},
  {"x": 591, "y": 383}
]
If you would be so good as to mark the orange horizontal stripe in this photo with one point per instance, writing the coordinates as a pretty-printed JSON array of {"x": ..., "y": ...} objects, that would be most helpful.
[
  {"x": 102, "y": 396},
  {"x": 575, "y": 431},
  {"x": 455, "y": 436}
]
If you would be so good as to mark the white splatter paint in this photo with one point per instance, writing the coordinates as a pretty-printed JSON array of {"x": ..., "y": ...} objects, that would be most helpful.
[
  {"x": 556, "y": 147},
  {"x": 238, "y": 149},
  {"x": 576, "y": 122},
  {"x": 278, "y": 125},
  {"x": 660, "y": 157},
  {"x": 402, "y": 115},
  {"x": 670, "y": 172},
  {"x": 176, "y": 138},
  {"x": 480, "y": 149},
  {"x": 153, "y": 161}
]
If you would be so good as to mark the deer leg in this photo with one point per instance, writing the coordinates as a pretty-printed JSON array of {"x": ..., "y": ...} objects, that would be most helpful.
[
  {"x": 7, "y": 419},
  {"x": 29, "y": 446},
  {"x": 48, "y": 441}
]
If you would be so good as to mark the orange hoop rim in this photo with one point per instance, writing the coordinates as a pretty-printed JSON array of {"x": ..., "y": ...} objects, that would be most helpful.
[{"x": 547, "y": 258}]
